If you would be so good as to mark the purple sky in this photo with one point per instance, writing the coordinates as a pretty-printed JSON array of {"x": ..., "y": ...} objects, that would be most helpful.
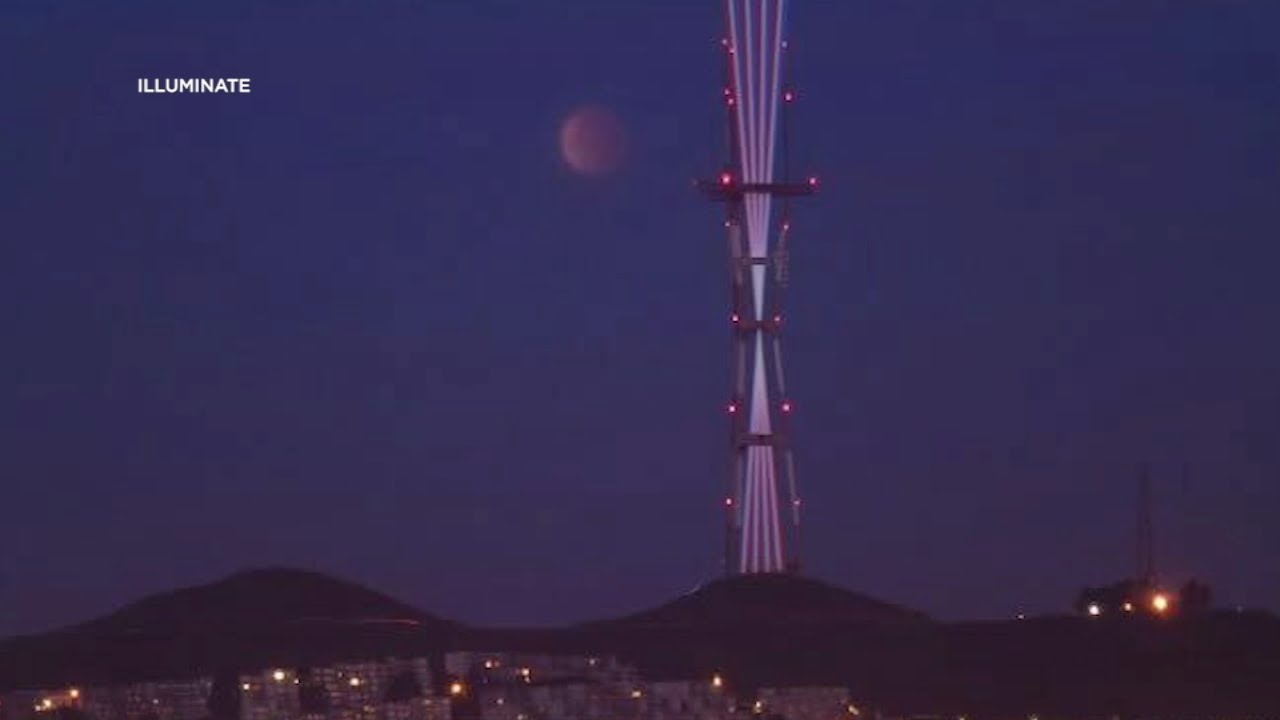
[{"x": 364, "y": 320}]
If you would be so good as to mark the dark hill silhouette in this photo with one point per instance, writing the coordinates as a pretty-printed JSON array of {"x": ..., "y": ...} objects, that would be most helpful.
[
  {"x": 767, "y": 599},
  {"x": 260, "y": 597},
  {"x": 249, "y": 620},
  {"x": 760, "y": 630}
]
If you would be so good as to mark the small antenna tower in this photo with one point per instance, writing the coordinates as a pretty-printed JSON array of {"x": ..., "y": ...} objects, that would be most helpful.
[{"x": 1146, "y": 545}]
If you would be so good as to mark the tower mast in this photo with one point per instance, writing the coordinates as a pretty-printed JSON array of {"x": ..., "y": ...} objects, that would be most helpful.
[{"x": 762, "y": 504}]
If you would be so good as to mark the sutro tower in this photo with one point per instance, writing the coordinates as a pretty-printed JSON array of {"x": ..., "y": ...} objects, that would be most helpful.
[{"x": 762, "y": 503}]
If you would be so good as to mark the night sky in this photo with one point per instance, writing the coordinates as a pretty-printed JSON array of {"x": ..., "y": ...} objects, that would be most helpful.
[{"x": 365, "y": 319}]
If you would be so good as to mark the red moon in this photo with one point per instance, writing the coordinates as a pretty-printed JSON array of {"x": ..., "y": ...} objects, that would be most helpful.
[{"x": 593, "y": 141}]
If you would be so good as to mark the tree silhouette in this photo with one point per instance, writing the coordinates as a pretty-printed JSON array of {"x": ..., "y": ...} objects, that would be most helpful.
[
  {"x": 404, "y": 686},
  {"x": 70, "y": 713},
  {"x": 313, "y": 699},
  {"x": 1195, "y": 597},
  {"x": 224, "y": 696}
]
